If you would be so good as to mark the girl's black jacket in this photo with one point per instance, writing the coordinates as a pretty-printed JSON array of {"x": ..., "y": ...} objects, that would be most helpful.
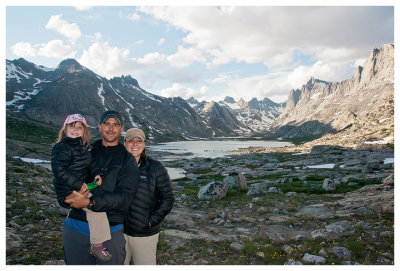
[
  {"x": 70, "y": 162},
  {"x": 154, "y": 199},
  {"x": 119, "y": 172}
]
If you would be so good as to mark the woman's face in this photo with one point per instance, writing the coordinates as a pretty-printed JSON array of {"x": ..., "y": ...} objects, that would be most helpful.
[
  {"x": 135, "y": 146},
  {"x": 74, "y": 129}
]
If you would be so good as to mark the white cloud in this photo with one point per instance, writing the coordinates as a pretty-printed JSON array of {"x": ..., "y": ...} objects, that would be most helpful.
[
  {"x": 133, "y": 17},
  {"x": 161, "y": 41},
  {"x": 105, "y": 60},
  {"x": 184, "y": 57},
  {"x": 69, "y": 30},
  {"x": 23, "y": 49},
  {"x": 152, "y": 59},
  {"x": 184, "y": 92},
  {"x": 56, "y": 49},
  {"x": 294, "y": 43},
  {"x": 98, "y": 35},
  {"x": 260, "y": 34},
  {"x": 51, "y": 49},
  {"x": 82, "y": 8},
  {"x": 334, "y": 54},
  {"x": 109, "y": 61}
]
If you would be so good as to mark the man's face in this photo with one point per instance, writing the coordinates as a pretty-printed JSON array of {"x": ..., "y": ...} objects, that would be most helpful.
[{"x": 110, "y": 131}]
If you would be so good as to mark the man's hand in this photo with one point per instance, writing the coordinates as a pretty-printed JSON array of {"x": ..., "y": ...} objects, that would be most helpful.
[{"x": 77, "y": 200}]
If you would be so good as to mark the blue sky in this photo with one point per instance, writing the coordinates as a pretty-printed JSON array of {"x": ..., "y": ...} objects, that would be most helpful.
[{"x": 208, "y": 52}]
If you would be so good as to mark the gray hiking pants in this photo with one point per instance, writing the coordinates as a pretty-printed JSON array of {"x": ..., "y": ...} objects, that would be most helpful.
[{"x": 77, "y": 246}]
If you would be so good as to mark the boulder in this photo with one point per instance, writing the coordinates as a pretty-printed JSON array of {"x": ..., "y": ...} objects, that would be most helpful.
[
  {"x": 275, "y": 190},
  {"x": 235, "y": 180},
  {"x": 371, "y": 167},
  {"x": 387, "y": 207},
  {"x": 341, "y": 252},
  {"x": 213, "y": 190},
  {"x": 230, "y": 182},
  {"x": 237, "y": 246},
  {"x": 340, "y": 227},
  {"x": 329, "y": 185},
  {"x": 389, "y": 180},
  {"x": 309, "y": 258},
  {"x": 258, "y": 188}
]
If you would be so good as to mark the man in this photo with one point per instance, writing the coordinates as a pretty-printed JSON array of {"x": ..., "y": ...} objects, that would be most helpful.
[{"x": 120, "y": 176}]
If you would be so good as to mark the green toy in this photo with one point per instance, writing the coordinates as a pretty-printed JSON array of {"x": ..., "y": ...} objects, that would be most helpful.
[{"x": 93, "y": 185}]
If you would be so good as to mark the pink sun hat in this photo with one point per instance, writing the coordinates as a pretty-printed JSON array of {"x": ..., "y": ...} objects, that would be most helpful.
[{"x": 75, "y": 117}]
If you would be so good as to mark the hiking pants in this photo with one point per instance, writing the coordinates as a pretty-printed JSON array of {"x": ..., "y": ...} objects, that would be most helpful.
[{"x": 77, "y": 246}]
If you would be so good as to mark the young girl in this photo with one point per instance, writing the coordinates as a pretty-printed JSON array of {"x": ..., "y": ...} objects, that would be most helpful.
[{"x": 70, "y": 163}]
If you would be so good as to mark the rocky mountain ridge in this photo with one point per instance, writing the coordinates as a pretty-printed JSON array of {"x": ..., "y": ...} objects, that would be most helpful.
[
  {"x": 246, "y": 118},
  {"x": 48, "y": 95},
  {"x": 321, "y": 107},
  {"x": 354, "y": 108}
]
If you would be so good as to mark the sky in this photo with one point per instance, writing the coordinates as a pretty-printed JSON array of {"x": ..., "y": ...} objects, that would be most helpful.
[{"x": 239, "y": 49}]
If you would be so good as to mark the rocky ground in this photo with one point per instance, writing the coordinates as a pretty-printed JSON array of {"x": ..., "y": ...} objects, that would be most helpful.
[{"x": 339, "y": 212}]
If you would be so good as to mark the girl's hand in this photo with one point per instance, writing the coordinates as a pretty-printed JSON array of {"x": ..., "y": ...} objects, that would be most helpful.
[
  {"x": 98, "y": 180},
  {"x": 83, "y": 189}
]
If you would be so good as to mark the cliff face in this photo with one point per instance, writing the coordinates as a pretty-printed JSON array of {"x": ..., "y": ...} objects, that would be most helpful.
[{"x": 339, "y": 105}]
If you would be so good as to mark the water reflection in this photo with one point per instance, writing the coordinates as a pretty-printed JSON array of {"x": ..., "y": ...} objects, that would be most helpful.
[{"x": 212, "y": 148}]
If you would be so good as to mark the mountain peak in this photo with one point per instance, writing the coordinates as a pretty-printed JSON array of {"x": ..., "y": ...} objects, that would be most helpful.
[
  {"x": 71, "y": 65},
  {"x": 242, "y": 103},
  {"x": 129, "y": 80},
  {"x": 313, "y": 82},
  {"x": 229, "y": 99},
  {"x": 192, "y": 100}
]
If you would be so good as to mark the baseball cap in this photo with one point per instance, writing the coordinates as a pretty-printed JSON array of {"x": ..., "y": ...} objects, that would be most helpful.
[
  {"x": 75, "y": 117},
  {"x": 111, "y": 114},
  {"x": 134, "y": 132}
]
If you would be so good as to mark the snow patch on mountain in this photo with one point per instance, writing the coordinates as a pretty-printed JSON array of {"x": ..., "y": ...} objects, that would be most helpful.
[
  {"x": 100, "y": 92},
  {"x": 14, "y": 72}
]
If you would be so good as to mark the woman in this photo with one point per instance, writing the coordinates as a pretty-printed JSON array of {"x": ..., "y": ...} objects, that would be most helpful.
[{"x": 154, "y": 200}]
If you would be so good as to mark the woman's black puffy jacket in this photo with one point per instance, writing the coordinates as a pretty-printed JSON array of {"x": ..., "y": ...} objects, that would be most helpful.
[
  {"x": 154, "y": 199},
  {"x": 70, "y": 162}
]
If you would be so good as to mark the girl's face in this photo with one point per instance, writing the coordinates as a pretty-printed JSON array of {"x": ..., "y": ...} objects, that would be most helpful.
[
  {"x": 74, "y": 129},
  {"x": 135, "y": 146}
]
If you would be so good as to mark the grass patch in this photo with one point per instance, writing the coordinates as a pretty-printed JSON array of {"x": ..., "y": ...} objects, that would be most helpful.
[
  {"x": 191, "y": 189},
  {"x": 232, "y": 193},
  {"x": 344, "y": 188},
  {"x": 28, "y": 131},
  {"x": 183, "y": 179},
  {"x": 203, "y": 171}
]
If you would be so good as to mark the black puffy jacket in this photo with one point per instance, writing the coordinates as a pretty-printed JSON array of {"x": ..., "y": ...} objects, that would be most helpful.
[
  {"x": 153, "y": 201},
  {"x": 70, "y": 162}
]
